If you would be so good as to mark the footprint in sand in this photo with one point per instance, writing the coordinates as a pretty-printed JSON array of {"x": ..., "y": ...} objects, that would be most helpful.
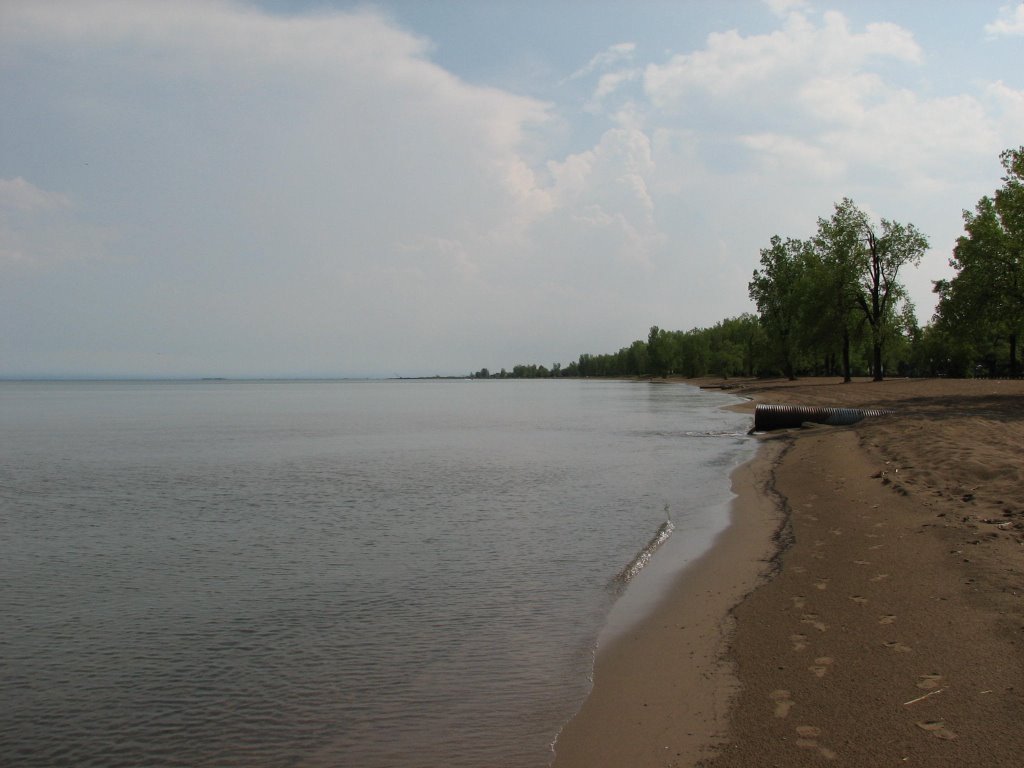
[
  {"x": 871, "y": 535},
  {"x": 812, "y": 619},
  {"x": 799, "y": 601},
  {"x": 819, "y": 543},
  {"x": 836, "y": 531},
  {"x": 799, "y": 642},
  {"x": 887, "y": 619},
  {"x": 859, "y": 599},
  {"x": 898, "y": 647},
  {"x": 862, "y": 562},
  {"x": 817, "y": 555},
  {"x": 938, "y": 729},
  {"x": 880, "y": 577},
  {"x": 821, "y": 665},
  {"x": 929, "y": 682},
  {"x": 807, "y": 738},
  {"x": 876, "y": 546},
  {"x": 782, "y": 702},
  {"x": 798, "y": 569},
  {"x": 821, "y": 584}
]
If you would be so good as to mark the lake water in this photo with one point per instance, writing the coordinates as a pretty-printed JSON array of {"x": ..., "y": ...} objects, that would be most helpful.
[{"x": 333, "y": 573}]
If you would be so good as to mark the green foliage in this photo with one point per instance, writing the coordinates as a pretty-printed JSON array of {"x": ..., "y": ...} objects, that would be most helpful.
[
  {"x": 530, "y": 372},
  {"x": 780, "y": 289},
  {"x": 695, "y": 352},
  {"x": 731, "y": 344},
  {"x": 983, "y": 305},
  {"x": 662, "y": 352},
  {"x": 817, "y": 298},
  {"x": 861, "y": 264},
  {"x": 940, "y": 353}
]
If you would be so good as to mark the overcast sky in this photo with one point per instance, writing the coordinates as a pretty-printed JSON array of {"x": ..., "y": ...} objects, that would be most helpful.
[{"x": 272, "y": 188}]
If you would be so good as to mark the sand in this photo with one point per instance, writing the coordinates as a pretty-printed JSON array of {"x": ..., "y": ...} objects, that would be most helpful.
[{"x": 866, "y": 607}]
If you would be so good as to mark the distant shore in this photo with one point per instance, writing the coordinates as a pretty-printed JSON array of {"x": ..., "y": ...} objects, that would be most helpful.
[{"x": 866, "y": 606}]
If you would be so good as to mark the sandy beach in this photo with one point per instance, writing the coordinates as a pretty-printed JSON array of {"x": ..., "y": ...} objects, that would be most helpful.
[{"x": 866, "y": 607}]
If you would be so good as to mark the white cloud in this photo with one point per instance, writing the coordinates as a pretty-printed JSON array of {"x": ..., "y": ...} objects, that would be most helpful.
[
  {"x": 308, "y": 177},
  {"x": 612, "y": 56},
  {"x": 613, "y": 174},
  {"x": 605, "y": 209},
  {"x": 196, "y": 34},
  {"x": 324, "y": 116},
  {"x": 39, "y": 229},
  {"x": 860, "y": 121},
  {"x": 609, "y": 83},
  {"x": 789, "y": 153},
  {"x": 785, "y": 7},
  {"x": 810, "y": 99},
  {"x": 840, "y": 99},
  {"x": 764, "y": 67},
  {"x": 615, "y": 65},
  {"x": 1010, "y": 22},
  {"x": 1008, "y": 106},
  {"x": 19, "y": 195},
  {"x": 912, "y": 136}
]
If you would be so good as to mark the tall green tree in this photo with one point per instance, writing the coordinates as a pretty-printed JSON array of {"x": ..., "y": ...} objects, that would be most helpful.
[
  {"x": 986, "y": 296},
  {"x": 661, "y": 352},
  {"x": 867, "y": 260},
  {"x": 778, "y": 289},
  {"x": 747, "y": 335},
  {"x": 833, "y": 278},
  {"x": 637, "y": 358}
]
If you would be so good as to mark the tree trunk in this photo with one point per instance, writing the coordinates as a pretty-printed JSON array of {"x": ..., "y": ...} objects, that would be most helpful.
[
  {"x": 1014, "y": 365},
  {"x": 847, "y": 378},
  {"x": 787, "y": 355},
  {"x": 876, "y": 361}
]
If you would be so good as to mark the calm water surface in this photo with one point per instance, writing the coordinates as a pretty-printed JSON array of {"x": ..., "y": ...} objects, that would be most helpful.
[{"x": 400, "y": 573}]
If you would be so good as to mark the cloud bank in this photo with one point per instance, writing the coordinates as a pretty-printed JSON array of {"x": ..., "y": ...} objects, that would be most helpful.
[{"x": 210, "y": 188}]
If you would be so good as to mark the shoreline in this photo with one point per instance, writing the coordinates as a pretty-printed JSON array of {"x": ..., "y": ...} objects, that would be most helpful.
[
  {"x": 886, "y": 627},
  {"x": 651, "y": 705}
]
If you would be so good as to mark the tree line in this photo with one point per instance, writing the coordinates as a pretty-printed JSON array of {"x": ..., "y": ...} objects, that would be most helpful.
[{"x": 834, "y": 304}]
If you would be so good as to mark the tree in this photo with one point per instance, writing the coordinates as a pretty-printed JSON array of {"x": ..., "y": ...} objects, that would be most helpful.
[
  {"x": 833, "y": 297},
  {"x": 693, "y": 351},
  {"x": 866, "y": 262},
  {"x": 660, "y": 352},
  {"x": 726, "y": 349},
  {"x": 746, "y": 333},
  {"x": 778, "y": 291},
  {"x": 986, "y": 297},
  {"x": 637, "y": 359}
]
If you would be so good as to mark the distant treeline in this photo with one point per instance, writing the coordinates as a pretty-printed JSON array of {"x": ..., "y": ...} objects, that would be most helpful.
[{"x": 834, "y": 305}]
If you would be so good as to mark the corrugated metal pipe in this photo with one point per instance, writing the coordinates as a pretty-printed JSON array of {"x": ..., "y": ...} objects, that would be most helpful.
[{"x": 769, "y": 417}]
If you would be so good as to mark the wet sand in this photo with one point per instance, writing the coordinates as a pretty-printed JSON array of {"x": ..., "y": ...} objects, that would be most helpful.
[{"x": 865, "y": 608}]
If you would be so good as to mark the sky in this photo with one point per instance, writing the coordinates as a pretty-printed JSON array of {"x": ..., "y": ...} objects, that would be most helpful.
[{"x": 262, "y": 188}]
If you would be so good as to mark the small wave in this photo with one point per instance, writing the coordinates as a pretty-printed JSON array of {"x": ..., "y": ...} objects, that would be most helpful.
[
  {"x": 644, "y": 555},
  {"x": 687, "y": 433}
]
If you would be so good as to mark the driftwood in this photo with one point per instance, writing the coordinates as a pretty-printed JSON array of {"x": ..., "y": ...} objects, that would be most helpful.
[{"x": 922, "y": 698}]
